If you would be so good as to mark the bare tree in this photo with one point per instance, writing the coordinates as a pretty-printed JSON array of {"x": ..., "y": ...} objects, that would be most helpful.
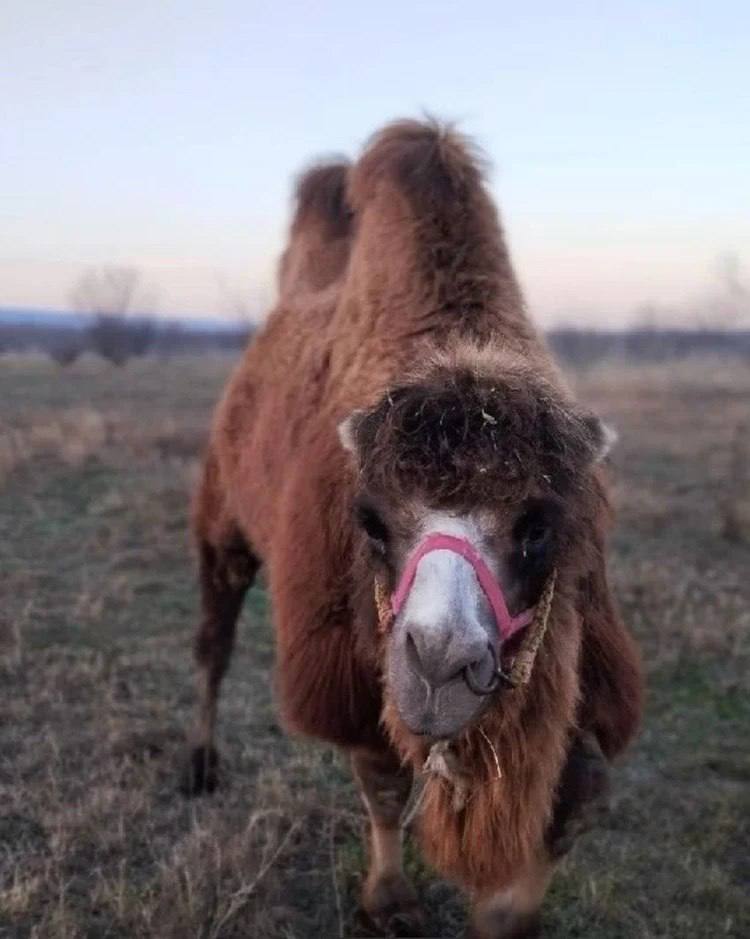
[
  {"x": 120, "y": 306},
  {"x": 734, "y": 297},
  {"x": 242, "y": 304},
  {"x": 726, "y": 305}
]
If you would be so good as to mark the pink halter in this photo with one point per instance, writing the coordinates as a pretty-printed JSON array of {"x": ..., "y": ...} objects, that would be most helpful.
[{"x": 507, "y": 625}]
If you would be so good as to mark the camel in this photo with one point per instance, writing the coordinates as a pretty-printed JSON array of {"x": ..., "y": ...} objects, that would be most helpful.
[{"x": 430, "y": 503}]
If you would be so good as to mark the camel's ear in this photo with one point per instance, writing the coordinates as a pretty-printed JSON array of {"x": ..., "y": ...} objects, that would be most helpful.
[
  {"x": 603, "y": 437},
  {"x": 348, "y": 432}
]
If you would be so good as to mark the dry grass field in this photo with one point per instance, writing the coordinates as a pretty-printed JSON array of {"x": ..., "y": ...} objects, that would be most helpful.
[{"x": 97, "y": 606}]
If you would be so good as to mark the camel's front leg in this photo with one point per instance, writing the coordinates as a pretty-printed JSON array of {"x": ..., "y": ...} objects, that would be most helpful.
[
  {"x": 582, "y": 794},
  {"x": 388, "y": 897},
  {"x": 513, "y": 912}
]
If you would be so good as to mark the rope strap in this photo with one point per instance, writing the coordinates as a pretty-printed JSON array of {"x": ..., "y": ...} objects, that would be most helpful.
[
  {"x": 383, "y": 608},
  {"x": 523, "y": 663}
]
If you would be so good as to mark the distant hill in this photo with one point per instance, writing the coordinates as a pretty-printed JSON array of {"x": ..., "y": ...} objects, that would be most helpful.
[
  {"x": 57, "y": 332},
  {"x": 64, "y": 335},
  {"x": 26, "y": 316},
  {"x": 34, "y": 317}
]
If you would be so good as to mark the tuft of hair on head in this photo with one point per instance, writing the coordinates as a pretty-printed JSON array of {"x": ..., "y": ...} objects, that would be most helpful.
[
  {"x": 347, "y": 431},
  {"x": 320, "y": 195},
  {"x": 604, "y": 437},
  {"x": 429, "y": 161},
  {"x": 458, "y": 439}
]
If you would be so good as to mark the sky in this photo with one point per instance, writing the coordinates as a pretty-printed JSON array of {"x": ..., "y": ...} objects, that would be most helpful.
[{"x": 166, "y": 136}]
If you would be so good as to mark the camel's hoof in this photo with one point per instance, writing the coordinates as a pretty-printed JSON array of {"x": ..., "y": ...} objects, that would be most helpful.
[
  {"x": 201, "y": 772},
  {"x": 391, "y": 904},
  {"x": 506, "y": 924}
]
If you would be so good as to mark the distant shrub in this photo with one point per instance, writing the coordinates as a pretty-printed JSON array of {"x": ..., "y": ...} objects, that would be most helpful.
[
  {"x": 65, "y": 354},
  {"x": 119, "y": 338},
  {"x": 116, "y": 300}
]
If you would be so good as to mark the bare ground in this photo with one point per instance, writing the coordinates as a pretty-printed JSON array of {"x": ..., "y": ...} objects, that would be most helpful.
[{"x": 97, "y": 604}]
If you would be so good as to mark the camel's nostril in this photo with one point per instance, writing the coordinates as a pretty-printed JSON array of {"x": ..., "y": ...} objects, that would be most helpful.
[
  {"x": 443, "y": 656},
  {"x": 460, "y": 671},
  {"x": 483, "y": 684},
  {"x": 412, "y": 653},
  {"x": 476, "y": 666}
]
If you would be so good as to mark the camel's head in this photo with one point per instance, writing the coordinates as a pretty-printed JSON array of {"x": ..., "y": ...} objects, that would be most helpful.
[{"x": 471, "y": 490}]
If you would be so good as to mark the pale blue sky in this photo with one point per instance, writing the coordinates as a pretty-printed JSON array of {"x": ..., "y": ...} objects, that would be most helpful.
[{"x": 165, "y": 135}]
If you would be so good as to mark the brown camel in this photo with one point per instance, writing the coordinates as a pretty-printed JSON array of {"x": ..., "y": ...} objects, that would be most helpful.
[{"x": 430, "y": 503}]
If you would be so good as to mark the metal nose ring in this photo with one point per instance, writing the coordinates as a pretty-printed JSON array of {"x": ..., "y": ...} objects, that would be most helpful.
[{"x": 498, "y": 679}]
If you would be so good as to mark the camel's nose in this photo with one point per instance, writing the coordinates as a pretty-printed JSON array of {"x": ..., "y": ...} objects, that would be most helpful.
[{"x": 440, "y": 654}]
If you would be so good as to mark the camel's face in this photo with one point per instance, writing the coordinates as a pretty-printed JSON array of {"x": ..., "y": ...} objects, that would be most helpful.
[
  {"x": 445, "y": 633},
  {"x": 470, "y": 488}
]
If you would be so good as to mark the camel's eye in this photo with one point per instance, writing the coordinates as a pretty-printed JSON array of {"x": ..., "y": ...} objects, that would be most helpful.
[
  {"x": 533, "y": 532},
  {"x": 536, "y": 539},
  {"x": 372, "y": 525}
]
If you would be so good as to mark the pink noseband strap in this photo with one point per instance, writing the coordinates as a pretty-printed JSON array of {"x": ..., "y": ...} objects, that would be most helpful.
[{"x": 507, "y": 625}]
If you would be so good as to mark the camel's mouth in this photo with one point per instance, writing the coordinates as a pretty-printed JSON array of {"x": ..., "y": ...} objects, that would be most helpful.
[
  {"x": 436, "y": 713},
  {"x": 431, "y": 704}
]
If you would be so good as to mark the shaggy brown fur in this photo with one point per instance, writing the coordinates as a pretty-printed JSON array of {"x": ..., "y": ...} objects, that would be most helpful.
[
  {"x": 408, "y": 311},
  {"x": 462, "y": 440}
]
